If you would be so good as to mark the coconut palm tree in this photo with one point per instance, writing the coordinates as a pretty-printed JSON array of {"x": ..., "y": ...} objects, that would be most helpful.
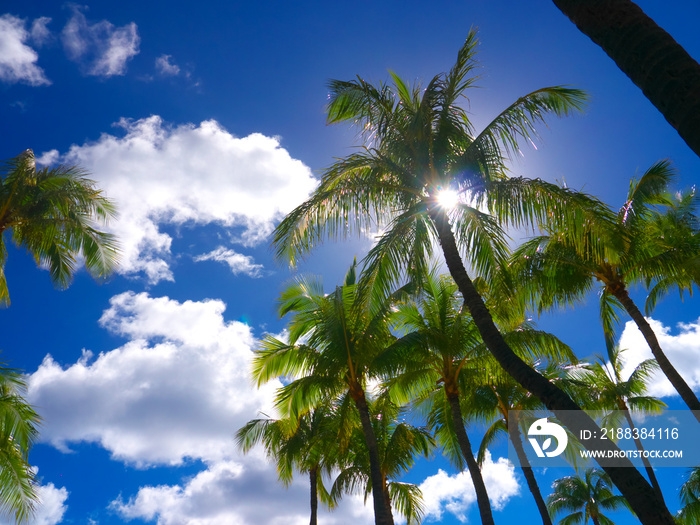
[
  {"x": 586, "y": 498},
  {"x": 494, "y": 401},
  {"x": 690, "y": 499},
  {"x": 442, "y": 356},
  {"x": 399, "y": 443},
  {"x": 55, "y": 215},
  {"x": 18, "y": 431},
  {"x": 306, "y": 444},
  {"x": 612, "y": 392},
  {"x": 333, "y": 341},
  {"x": 419, "y": 143},
  {"x": 643, "y": 246},
  {"x": 648, "y": 55}
]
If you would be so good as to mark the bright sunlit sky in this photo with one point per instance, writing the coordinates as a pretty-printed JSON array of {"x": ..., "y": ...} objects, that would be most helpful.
[{"x": 204, "y": 122}]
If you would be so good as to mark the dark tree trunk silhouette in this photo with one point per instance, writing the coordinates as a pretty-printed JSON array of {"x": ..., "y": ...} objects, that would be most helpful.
[
  {"x": 667, "y": 75},
  {"x": 647, "y": 465},
  {"x": 313, "y": 478},
  {"x": 667, "y": 368},
  {"x": 514, "y": 434},
  {"x": 482, "y": 497},
  {"x": 382, "y": 516},
  {"x": 633, "y": 486}
]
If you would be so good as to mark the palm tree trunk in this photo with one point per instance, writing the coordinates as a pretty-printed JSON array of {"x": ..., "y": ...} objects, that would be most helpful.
[
  {"x": 482, "y": 496},
  {"x": 382, "y": 512},
  {"x": 686, "y": 393},
  {"x": 647, "y": 465},
  {"x": 640, "y": 495},
  {"x": 648, "y": 55},
  {"x": 514, "y": 434},
  {"x": 313, "y": 477}
]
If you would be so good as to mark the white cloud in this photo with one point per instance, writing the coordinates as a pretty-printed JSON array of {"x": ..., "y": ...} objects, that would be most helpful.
[
  {"x": 17, "y": 59},
  {"x": 39, "y": 32},
  {"x": 165, "y": 67},
  {"x": 228, "y": 493},
  {"x": 160, "y": 174},
  {"x": 238, "y": 263},
  {"x": 52, "y": 506},
  {"x": 682, "y": 349},
  {"x": 179, "y": 388},
  {"x": 455, "y": 493},
  {"x": 101, "y": 47}
]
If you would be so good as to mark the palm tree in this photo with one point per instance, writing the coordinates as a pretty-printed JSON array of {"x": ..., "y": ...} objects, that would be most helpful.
[
  {"x": 53, "y": 214},
  {"x": 399, "y": 443},
  {"x": 641, "y": 246},
  {"x": 306, "y": 444},
  {"x": 611, "y": 392},
  {"x": 441, "y": 357},
  {"x": 648, "y": 55},
  {"x": 18, "y": 431},
  {"x": 420, "y": 143},
  {"x": 333, "y": 341},
  {"x": 585, "y": 497},
  {"x": 690, "y": 499},
  {"x": 494, "y": 401}
]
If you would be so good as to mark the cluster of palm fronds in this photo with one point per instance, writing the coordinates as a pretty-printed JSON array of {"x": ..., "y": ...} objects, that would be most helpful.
[{"x": 458, "y": 348}]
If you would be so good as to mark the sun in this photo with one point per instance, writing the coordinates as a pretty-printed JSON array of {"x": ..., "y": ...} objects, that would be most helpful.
[{"x": 448, "y": 199}]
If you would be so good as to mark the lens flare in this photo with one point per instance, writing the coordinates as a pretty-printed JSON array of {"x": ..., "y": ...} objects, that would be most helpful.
[{"x": 448, "y": 199}]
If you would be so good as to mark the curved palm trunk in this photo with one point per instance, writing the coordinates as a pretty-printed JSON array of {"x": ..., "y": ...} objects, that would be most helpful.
[
  {"x": 667, "y": 368},
  {"x": 313, "y": 478},
  {"x": 647, "y": 466},
  {"x": 482, "y": 497},
  {"x": 514, "y": 434},
  {"x": 640, "y": 495},
  {"x": 648, "y": 55},
  {"x": 382, "y": 510}
]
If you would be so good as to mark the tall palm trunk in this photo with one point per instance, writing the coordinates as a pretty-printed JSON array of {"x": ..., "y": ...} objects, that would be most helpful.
[
  {"x": 648, "y": 55},
  {"x": 514, "y": 434},
  {"x": 482, "y": 497},
  {"x": 640, "y": 495},
  {"x": 686, "y": 393},
  {"x": 647, "y": 465},
  {"x": 313, "y": 478},
  {"x": 382, "y": 511}
]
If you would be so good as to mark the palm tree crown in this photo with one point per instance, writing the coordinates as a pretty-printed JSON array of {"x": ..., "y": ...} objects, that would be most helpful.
[
  {"x": 53, "y": 214},
  {"x": 18, "y": 431},
  {"x": 586, "y": 498},
  {"x": 418, "y": 142}
]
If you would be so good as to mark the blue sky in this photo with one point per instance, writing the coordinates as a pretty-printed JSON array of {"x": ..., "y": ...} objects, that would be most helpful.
[{"x": 205, "y": 123}]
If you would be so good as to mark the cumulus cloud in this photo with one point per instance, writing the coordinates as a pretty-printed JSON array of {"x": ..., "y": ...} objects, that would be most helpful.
[
  {"x": 228, "y": 493},
  {"x": 455, "y": 493},
  {"x": 17, "y": 59},
  {"x": 51, "y": 508},
  {"x": 101, "y": 48},
  {"x": 238, "y": 263},
  {"x": 165, "y": 67},
  {"x": 682, "y": 349},
  {"x": 179, "y": 388},
  {"x": 160, "y": 174}
]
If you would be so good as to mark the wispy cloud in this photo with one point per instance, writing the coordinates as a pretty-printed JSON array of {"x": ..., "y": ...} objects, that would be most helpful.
[
  {"x": 166, "y": 67},
  {"x": 39, "y": 32},
  {"x": 17, "y": 59},
  {"x": 238, "y": 262},
  {"x": 161, "y": 174},
  {"x": 101, "y": 48}
]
